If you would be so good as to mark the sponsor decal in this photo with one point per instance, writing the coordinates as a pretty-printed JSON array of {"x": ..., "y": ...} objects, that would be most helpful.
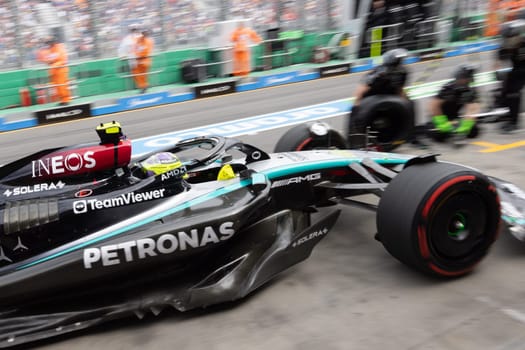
[
  {"x": 65, "y": 163},
  {"x": 338, "y": 69},
  {"x": 83, "y": 193},
  {"x": 431, "y": 55},
  {"x": 296, "y": 156},
  {"x": 175, "y": 173},
  {"x": 309, "y": 237},
  {"x": 16, "y": 191},
  {"x": 85, "y": 205},
  {"x": 215, "y": 89},
  {"x": 150, "y": 247},
  {"x": 63, "y": 114},
  {"x": 515, "y": 190},
  {"x": 278, "y": 79},
  {"x": 142, "y": 101},
  {"x": 296, "y": 180}
]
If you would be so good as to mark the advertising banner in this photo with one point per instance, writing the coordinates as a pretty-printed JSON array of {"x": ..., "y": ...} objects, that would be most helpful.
[
  {"x": 217, "y": 89},
  {"x": 57, "y": 115},
  {"x": 331, "y": 71}
]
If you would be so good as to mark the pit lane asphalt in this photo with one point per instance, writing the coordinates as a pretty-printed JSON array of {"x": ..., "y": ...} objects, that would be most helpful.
[{"x": 350, "y": 294}]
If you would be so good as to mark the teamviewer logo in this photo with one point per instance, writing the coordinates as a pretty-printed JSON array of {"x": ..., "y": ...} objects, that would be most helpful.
[{"x": 80, "y": 207}]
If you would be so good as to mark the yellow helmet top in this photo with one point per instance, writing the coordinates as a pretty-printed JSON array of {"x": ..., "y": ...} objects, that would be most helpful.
[{"x": 162, "y": 162}]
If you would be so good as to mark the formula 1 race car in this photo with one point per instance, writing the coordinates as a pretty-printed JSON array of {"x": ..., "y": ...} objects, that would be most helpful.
[{"x": 89, "y": 233}]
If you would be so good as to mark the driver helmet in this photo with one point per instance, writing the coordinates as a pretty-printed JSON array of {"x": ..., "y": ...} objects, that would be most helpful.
[
  {"x": 161, "y": 163},
  {"x": 394, "y": 58},
  {"x": 512, "y": 33},
  {"x": 465, "y": 71}
]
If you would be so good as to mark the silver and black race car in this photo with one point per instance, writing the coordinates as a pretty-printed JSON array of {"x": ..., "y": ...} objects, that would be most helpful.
[{"x": 89, "y": 234}]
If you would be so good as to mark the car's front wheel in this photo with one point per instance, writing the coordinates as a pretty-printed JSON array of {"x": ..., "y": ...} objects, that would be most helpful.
[
  {"x": 310, "y": 136},
  {"x": 440, "y": 218}
]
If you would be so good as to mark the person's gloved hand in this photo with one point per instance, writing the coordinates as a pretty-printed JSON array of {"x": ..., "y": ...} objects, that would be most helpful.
[
  {"x": 465, "y": 126},
  {"x": 442, "y": 123}
]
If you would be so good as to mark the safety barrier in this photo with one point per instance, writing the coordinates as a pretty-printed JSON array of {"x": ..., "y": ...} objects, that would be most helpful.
[
  {"x": 429, "y": 33},
  {"x": 223, "y": 65},
  {"x": 45, "y": 91},
  {"x": 339, "y": 45},
  {"x": 125, "y": 69},
  {"x": 383, "y": 38},
  {"x": 280, "y": 47},
  {"x": 472, "y": 30}
]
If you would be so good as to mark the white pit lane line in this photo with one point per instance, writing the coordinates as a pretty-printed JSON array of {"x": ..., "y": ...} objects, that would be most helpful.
[{"x": 514, "y": 314}]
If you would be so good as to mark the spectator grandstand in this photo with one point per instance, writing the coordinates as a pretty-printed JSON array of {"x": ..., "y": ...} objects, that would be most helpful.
[{"x": 93, "y": 28}]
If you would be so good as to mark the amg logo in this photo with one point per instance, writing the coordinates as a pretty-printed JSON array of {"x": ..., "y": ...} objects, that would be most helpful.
[
  {"x": 297, "y": 180},
  {"x": 166, "y": 244}
]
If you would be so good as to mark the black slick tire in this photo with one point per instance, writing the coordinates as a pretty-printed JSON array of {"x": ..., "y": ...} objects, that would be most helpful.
[
  {"x": 440, "y": 218},
  {"x": 390, "y": 118},
  {"x": 301, "y": 138}
]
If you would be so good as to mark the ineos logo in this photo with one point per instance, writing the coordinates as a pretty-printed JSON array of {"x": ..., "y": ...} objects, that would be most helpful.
[{"x": 60, "y": 164}]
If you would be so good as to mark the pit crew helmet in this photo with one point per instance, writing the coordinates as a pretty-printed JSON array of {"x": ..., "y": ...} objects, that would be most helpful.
[
  {"x": 513, "y": 33},
  {"x": 161, "y": 163},
  {"x": 465, "y": 71},
  {"x": 513, "y": 28},
  {"x": 394, "y": 58}
]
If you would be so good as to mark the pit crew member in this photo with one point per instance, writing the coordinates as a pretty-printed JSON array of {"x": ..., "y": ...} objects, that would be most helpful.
[
  {"x": 513, "y": 49},
  {"x": 454, "y": 97}
]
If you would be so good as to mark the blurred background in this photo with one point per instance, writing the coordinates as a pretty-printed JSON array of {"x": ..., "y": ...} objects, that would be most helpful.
[
  {"x": 93, "y": 28},
  {"x": 293, "y": 32}
]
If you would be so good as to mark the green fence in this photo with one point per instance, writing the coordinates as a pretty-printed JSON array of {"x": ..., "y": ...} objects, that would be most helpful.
[{"x": 109, "y": 75}]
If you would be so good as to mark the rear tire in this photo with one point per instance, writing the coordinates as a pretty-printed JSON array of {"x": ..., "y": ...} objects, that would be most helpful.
[
  {"x": 301, "y": 138},
  {"x": 439, "y": 218},
  {"x": 391, "y": 117}
]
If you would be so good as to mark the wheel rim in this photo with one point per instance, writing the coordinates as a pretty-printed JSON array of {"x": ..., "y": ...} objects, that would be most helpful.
[
  {"x": 458, "y": 226},
  {"x": 384, "y": 126}
]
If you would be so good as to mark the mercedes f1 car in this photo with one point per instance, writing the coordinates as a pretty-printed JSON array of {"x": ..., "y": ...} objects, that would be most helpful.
[{"x": 87, "y": 236}]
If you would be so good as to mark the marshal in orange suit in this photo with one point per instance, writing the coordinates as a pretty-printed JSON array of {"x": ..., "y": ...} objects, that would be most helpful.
[
  {"x": 143, "y": 51},
  {"x": 56, "y": 58},
  {"x": 241, "y": 51}
]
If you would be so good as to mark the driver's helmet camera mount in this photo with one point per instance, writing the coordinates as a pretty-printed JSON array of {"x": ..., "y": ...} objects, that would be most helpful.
[{"x": 110, "y": 133}]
